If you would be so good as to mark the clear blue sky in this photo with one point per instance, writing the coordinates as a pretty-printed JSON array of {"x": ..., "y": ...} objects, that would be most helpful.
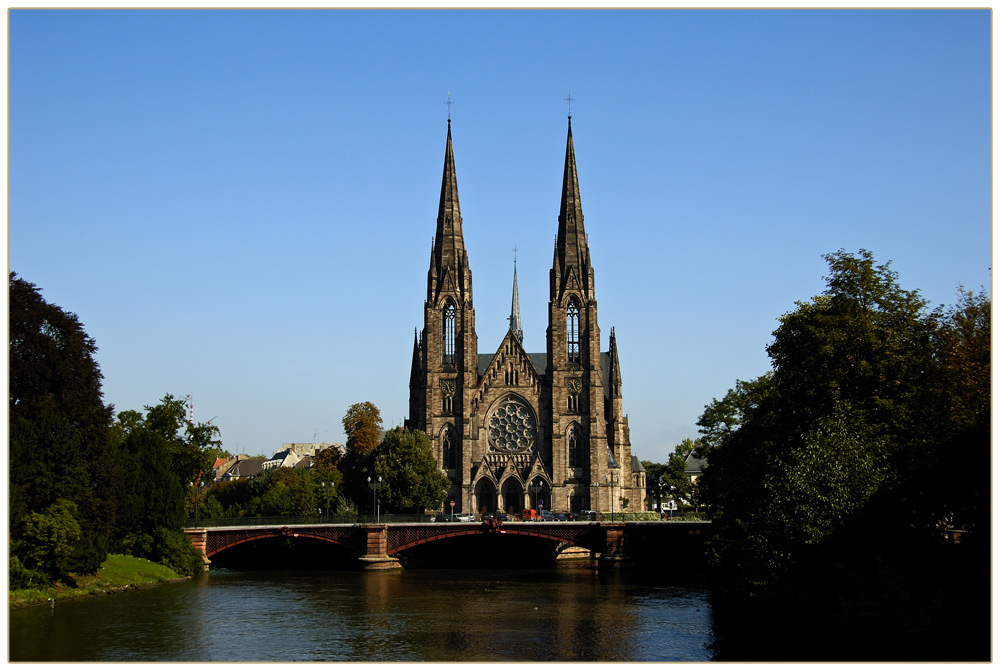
[{"x": 239, "y": 205}]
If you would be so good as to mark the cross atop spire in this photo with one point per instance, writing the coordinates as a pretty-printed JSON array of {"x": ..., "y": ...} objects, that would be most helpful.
[
  {"x": 449, "y": 103},
  {"x": 515, "y": 307},
  {"x": 569, "y": 104}
]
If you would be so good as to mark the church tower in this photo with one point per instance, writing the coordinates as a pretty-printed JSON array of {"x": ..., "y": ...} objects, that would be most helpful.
[
  {"x": 580, "y": 402},
  {"x": 443, "y": 374}
]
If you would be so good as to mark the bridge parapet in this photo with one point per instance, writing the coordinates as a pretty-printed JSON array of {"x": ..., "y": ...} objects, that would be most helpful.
[{"x": 380, "y": 546}]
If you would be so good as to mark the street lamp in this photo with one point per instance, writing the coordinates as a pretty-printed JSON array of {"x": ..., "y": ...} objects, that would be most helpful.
[
  {"x": 196, "y": 487},
  {"x": 536, "y": 487},
  {"x": 327, "y": 488},
  {"x": 375, "y": 501},
  {"x": 594, "y": 501}
]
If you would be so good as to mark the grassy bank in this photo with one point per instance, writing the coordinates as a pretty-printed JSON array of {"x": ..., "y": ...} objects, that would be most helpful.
[{"x": 117, "y": 574}]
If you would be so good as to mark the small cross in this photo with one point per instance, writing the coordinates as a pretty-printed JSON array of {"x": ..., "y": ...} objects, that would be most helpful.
[
  {"x": 569, "y": 103},
  {"x": 449, "y": 103},
  {"x": 515, "y": 254}
]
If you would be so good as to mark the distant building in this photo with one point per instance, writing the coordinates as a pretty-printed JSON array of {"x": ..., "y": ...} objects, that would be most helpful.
[
  {"x": 291, "y": 454},
  {"x": 243, "y": 467}
]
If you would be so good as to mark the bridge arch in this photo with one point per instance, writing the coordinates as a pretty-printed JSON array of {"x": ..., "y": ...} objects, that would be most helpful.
[{"x": 226, "y": 539}]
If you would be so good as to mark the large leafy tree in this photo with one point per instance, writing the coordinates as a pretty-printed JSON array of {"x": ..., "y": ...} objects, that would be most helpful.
[
  {"x": 192, "y": 446},
  {"x": 834, "y": 464},
  {"x": 363, "y": 428},
  {"x": 58, "y": 424},
  {"x": 411, "y": 479}
]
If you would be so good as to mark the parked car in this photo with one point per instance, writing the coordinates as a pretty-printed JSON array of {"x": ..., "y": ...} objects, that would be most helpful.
[
  {"x": 590, "y": 515},
  {"x": 560, "y": 517},
  {"x": 529, "y": 514},
  {"x": 500, "y": 517},
  {"x": 546, "y": 516},
  {"x": 465, "y": 517},
  {"x": 572, "y": 517}
]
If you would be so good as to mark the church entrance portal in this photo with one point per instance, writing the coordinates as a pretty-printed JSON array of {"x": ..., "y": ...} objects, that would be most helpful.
[
  {"x": 513, "y": 497},
  {"x": 486, "y": 497}
]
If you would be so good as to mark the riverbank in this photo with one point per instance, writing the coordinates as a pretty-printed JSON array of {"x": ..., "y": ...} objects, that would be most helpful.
[{"x": 118, "y": 573}]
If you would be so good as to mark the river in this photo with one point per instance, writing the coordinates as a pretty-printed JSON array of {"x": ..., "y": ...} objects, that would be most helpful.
[{"x": 571, "y": 612}]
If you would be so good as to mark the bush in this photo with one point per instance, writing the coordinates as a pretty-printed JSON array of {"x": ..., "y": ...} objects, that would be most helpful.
[
  {"x": 174, "y": 550},
  {"x": 22, "y": 577}
]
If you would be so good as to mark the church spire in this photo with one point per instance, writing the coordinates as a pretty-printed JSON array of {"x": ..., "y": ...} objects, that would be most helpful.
[
  {"x": 572, "y": 254},
  {"x": 515, "y": 310},
  {"x": 449, "y": 246},
  {"x": 615, "y": 374},
  {"x": 449, "y": 269}
]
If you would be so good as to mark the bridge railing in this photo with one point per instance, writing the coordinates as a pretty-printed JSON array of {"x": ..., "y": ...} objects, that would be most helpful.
[{"x": 315, "y": 519}]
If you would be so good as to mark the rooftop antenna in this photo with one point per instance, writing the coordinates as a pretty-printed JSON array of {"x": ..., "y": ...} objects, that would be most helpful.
[{"x": 190, "y": 400}]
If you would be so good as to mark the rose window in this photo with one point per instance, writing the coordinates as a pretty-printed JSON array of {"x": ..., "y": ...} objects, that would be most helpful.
[{"x": 512, "y": 426}]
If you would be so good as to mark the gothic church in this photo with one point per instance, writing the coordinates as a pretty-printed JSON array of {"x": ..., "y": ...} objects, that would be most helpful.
[{"x": 513, "y": 429}]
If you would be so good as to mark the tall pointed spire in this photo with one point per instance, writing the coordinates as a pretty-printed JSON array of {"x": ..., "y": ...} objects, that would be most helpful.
[
  {"x": 449, "y": 245},
  {"x": 515, "y": 310},
  {"x": 449, "y": 269},
  {"x": 615, "y": 374},
  {"x": 572, "y": 255}
]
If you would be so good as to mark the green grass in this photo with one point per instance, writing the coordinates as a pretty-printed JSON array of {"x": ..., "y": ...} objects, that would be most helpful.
[{"x": 118, "y": 573}]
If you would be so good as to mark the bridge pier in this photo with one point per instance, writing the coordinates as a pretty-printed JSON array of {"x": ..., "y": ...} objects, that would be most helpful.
[
  {"x": 614, "y": 546},
  {"x": 376, "y": 555},
  {"x": 199, "y": 541}
]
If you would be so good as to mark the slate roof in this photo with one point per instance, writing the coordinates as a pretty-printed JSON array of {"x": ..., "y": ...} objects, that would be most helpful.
[
  {"x": 637, "y": 465},
  {"x": 246, "y": 468},
  {"x": 694, "y": 465}
]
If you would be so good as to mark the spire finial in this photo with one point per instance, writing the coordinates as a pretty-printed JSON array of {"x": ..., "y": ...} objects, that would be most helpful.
[
  {"x": 569, "y": 105},
  {"x": 449, "y": 103}
]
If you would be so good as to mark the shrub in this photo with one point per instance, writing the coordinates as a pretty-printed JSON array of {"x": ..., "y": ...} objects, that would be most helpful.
[{"x": 175, "y": 551}]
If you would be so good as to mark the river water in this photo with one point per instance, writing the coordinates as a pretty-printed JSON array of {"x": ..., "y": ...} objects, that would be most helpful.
[{"x": 571, "y": 612}]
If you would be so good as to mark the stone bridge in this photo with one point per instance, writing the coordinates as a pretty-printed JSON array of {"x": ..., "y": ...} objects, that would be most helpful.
[{"x": 381, "y": 546}]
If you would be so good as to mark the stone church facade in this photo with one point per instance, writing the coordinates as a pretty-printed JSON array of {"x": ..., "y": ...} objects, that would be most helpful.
[{"x": 513, "y": 429}]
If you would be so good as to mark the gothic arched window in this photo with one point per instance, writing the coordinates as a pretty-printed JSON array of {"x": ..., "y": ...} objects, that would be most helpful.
[
  {"x": 449, "y": 448},
  {"x": 573, "y": 331},
  {"x": 575, "y": 448},
  {"x": 449, "y": 333}
]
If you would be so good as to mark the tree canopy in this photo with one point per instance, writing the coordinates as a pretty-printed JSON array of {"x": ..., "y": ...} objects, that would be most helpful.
[
  {"x": 58, "y": 424},
  {"x": 840, "y": 453}
]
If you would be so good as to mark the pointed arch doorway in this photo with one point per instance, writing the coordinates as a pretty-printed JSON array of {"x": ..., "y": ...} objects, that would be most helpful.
[
  {"x": 513, "y": 496},
  {"x": 486, "y": 497}
]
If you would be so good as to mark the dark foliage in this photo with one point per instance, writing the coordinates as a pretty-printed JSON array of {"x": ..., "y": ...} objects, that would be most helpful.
[
  {"x": 831, "y": 486},
  {"x": 58, "y": 423}
]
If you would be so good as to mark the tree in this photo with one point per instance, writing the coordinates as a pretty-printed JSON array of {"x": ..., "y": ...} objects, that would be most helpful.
[
  {"x": 833, "y": 464},
  {"x": 411, "y": 479},
  {"x": 49, "y": 539},
  {"x": 58, "y": 423},
  {"x": 363, "y": 428},
  {"x": 192, "y": 447},
  {"x": 669, "y": 480}
]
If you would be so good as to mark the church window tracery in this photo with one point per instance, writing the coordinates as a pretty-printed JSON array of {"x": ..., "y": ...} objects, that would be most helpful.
[
  {"x": 449, "y": 333},
  {"x": 512, "y": 426},
  {"x": 449, "y": 448},
  {"x": 573, "y": 331},
  {"x": 575, "y": 448}
]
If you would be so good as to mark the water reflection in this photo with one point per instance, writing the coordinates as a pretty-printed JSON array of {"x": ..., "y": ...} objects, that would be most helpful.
[{"x": 568, "y": 613}]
